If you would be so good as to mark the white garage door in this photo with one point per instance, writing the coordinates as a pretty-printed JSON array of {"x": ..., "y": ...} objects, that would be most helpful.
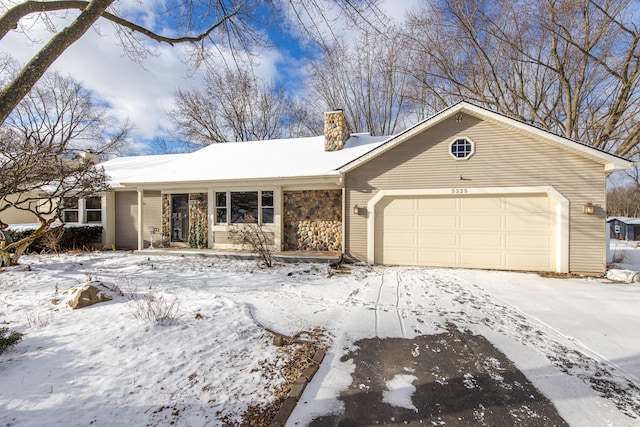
[{"x": 496, "y": 232}]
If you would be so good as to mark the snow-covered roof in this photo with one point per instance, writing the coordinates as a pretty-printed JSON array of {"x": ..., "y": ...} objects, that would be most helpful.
[
  {"x": 626, "y": 220},
  {"x": 280, "y": 158}
]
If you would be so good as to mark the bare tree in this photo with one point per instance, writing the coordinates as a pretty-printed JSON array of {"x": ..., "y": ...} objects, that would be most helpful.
[
  {"x": 624, "y": 201},
  {"x": 203, "y": 24},
  {"x": 60, "y": 112},
  {"x": 233, "y": 105},
  {"x": 571, "y": 67},
  {"x": 39, "y": 166},
  {"x": 365, "y": 79}
]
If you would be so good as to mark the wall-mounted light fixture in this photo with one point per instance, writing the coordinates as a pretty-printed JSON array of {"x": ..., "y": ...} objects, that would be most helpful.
[
  {"x": 356, "y": 210},
  {"x": 589, "y": 209}
]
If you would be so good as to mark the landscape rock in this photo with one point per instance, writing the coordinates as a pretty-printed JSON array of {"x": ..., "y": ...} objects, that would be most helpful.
[
  {"x": 88, "y": 294},
  {"x": 623, "y": 276}
]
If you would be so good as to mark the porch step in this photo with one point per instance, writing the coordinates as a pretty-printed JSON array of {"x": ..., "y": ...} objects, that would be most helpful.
[{"x": 284, "y": 257}]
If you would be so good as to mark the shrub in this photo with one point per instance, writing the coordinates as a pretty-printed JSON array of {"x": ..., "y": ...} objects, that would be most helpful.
[
  {"x": 251, "y": 234},
  {"x": 70, "y": 238},
  {"x": 8, "y": 339},
  {"x": 155, "y": 309}
]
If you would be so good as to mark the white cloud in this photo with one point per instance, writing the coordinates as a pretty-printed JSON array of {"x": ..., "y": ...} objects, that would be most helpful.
[
  {"x": 396, "y": 10},
  {"x": 141, "y": 92}
]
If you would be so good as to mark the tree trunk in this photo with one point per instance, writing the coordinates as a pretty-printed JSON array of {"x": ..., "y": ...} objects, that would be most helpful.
[{"x": 13, "y": 93}]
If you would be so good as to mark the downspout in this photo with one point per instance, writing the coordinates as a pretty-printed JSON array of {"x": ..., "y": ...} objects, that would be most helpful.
[
  {"x": 344, "y": 215},
  {"x": 140, "y": 219}
]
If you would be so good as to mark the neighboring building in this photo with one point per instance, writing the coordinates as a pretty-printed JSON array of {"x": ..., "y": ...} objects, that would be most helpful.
[
  {"x": 623, "y": 228},
  {"x": 12, "y": 215},
  {"x": 465, "y": 188}
]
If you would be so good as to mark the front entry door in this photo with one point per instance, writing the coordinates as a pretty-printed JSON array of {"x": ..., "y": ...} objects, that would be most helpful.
[{"x": 179, "y": 217}]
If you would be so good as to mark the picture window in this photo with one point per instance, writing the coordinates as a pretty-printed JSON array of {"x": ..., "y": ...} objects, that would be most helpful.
[{"x": 233, "y": 206}]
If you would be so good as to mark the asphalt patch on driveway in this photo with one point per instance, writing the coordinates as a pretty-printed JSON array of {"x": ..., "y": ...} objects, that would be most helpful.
[{"x": 454, "y": 379}]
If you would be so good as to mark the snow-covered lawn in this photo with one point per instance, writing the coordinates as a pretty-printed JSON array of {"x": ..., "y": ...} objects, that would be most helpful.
[{"x": 575, "y": 339}]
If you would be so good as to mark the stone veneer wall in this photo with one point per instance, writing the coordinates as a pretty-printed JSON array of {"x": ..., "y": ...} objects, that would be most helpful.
[
  {"x": 166, "y": 219},
  {"x": 336, "y": 130},
  {"x": 312, "y": 220},
  {"x": 198, "y": 224},
  {"x": 197, "y": 218}
]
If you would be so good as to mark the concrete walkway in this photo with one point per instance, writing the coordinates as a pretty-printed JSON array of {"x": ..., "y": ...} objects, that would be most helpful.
[{"x": 284, "y": 257}]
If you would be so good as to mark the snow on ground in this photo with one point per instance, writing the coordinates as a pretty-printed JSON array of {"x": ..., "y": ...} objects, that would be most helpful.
[
  {"x": 400, "y": 388},
  {"x": 575, "y": 339},
  {"x": 625, "y": 254}
]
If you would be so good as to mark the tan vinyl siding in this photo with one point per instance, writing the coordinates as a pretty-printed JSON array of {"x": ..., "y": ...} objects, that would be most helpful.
[
  {"x": 152, "y": 216},
  {"x": 12, "y": 215},
  {"x": 503, "y": 157},
  {"x": 222, "y": 237},
  {"x": 126, "y": 219}
]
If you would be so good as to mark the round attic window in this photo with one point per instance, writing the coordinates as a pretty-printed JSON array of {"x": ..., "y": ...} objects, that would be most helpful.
[{"x": 462, "y": 148}]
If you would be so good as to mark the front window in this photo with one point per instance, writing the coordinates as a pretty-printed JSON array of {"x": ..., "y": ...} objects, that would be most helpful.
[
  {"x": 233, "y": 206},
  {"x": 93, "y": 209},
  {"x": 244, "y": 204},
  {"x": 70, "y": 212},
  {"x": 221, "y": 207},
  {"x": 267, "y": 207}
]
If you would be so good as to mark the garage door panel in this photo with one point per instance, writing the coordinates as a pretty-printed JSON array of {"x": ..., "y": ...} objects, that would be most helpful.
[
  {"x": 436, "y": 222},
  {"x": 402, "y": 219},
  {"x": 401, "y": 204},
  {"x": 480, "y": 222},
  {"x": 401, "y": 238},
  {"x": 528, "y": 242},
  {"x": 437, "y": 204},
  {"x": 481, "y": 240},
  {"x": 481, "y": 259},
  {"x": 535, "y": 222},
  {"x": 437, "y": 259},
  {"x": 481, "y": 204},
  {"x": 437, "y": 240},
  {"x": 400, "y": 256},
  {"x": 529, "y": 261},
  {"x": 497, "y": 232}
]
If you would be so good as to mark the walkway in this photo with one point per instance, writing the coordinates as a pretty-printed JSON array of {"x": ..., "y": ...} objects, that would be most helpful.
[{"x": 284, "y": 257}]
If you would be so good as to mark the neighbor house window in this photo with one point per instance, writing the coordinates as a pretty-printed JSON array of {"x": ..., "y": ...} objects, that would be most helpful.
[
  {"x": 234, "y": 206},
  {"x": 462, "y": 148}
]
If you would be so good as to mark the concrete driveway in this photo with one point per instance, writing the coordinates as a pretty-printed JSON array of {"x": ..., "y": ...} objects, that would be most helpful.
[{"x": 453, "y": 378}]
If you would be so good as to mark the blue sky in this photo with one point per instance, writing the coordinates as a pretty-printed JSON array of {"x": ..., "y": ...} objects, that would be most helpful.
[{"x": 143, "y": 93}]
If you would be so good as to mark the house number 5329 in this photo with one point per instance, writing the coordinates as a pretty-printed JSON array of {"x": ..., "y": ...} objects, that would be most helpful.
[{"x": 459, "y": 191}]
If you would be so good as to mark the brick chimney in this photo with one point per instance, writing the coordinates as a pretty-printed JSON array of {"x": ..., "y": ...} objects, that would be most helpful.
[
  {"x": 90, "y": 156},
  {"x": 336, "y": 130}
]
